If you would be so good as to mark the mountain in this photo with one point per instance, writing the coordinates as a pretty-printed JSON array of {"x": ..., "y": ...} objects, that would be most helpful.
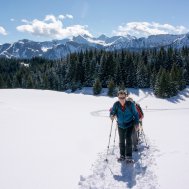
[
  {"x": 181, "y": 41},
  {"x": 103, "y": 37},
  {"x": 57, "y": 49}
]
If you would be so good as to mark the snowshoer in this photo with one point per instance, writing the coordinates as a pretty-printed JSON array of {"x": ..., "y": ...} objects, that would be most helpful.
[
  {"x": 127, "y": 118},
  {"x": 135, "y": 134}
]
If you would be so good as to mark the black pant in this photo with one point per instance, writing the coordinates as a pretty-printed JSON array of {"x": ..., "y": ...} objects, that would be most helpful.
[
  {"x": 135, "y": 138},
  {"x": 125, "y": 136}
]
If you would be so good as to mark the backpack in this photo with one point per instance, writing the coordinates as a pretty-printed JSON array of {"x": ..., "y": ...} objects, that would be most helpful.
[{"x": 139, "y": 110}]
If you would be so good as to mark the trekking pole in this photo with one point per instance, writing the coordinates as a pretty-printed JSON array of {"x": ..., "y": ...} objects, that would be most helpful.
[
  {"x": 139, "y": 134},
  {"x": 109, "y": 142},
  {"x": 144, "y": 137},
  {"x": 140, "y": 155},
  {"x": 114, "y": 139}
]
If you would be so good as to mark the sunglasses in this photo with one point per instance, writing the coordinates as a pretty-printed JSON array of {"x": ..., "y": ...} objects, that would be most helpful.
[{"x": 121, "y": 98}]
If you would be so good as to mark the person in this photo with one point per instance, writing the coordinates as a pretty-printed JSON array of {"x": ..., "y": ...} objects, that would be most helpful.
[
  {"x": 135, "y": 137},
  {"x": 127, "y": 118}
]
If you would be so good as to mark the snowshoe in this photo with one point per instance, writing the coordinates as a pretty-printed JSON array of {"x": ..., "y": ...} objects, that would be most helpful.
[
  {"x": 121, "y": 158},
  {"x": 135, "y": 149},
  {"x": 129, "y": 160}
]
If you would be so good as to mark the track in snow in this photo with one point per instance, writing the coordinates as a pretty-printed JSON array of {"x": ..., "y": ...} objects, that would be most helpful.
[{"x": 114, "y": 175}]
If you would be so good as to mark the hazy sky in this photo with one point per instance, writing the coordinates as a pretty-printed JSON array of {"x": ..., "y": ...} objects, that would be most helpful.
[{"x": 41, "y": 20}]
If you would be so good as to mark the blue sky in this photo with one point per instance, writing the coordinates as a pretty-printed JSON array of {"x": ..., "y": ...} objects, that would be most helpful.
[{"x": 42, "y": 20}]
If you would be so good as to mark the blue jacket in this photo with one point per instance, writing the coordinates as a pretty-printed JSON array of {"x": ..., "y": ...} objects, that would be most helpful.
[{"x": 126, "y": 117}]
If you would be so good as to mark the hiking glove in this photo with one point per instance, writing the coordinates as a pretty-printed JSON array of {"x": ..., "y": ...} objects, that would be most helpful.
[
  {"x": 112, "y": 117},
  {"x": 137, "y": 127}
]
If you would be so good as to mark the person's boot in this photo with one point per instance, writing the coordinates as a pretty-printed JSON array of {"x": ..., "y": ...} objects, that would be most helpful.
[
  {"x": 129, "y": 159},
  {"x": 135, "y": 148},
  {"x": 121, "y": 158}
]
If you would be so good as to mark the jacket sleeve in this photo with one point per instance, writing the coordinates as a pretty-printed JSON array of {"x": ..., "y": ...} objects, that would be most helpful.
[
  {"x": 113, "y": 110},
  {"x": 135, "y": 114}
]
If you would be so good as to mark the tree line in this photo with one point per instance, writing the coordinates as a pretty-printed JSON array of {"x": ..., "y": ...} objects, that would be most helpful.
[{"x": 166, "y": 71}]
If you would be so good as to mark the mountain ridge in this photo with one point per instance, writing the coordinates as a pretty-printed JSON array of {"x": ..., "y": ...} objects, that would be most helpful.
[{"x": 57, "y": 49}]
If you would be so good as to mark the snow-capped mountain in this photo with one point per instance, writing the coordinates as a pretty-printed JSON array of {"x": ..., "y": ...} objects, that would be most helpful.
[
  {"x": 181, "y": 41},
  {"x": 57, "y": 49}
]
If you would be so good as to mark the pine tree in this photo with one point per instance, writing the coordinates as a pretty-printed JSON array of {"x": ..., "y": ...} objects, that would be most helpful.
[
  {"x": 129, "y": 69},
  {"x": 107, "y": 69},
  {"x": 131, "y": 73},
  {"x": 162, "y": 87},
  {"x": 118, "y": 74},
  {"x": 111, "y": 88},
  {"x": 2, "y": 83},
  {"x": 142, "y": 76},
  {"x": 157, "y": 87},
  {"x": 87, "y": 71},
  {"x": 102, "y": 70},
  {"x": 164, "y": 84},
  {"x": 169, "y": 59},
  {"x": 8, "y": 82},
  {"x": 122, "y": 86},
  {"x": 175, "y": 79},
  {"x": 75, "y": 85},
  {"x": 97, "y": 87},
  {"x": 153, "y": 78}
]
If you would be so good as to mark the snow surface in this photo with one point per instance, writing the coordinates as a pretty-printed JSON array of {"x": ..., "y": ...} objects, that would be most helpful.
[{"x": 51, "y": 140}]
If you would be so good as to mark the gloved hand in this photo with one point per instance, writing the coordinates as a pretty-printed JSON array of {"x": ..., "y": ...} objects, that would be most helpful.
[
  {"x": 137, "y": 127},
  {"x": 112, "y": 117}
]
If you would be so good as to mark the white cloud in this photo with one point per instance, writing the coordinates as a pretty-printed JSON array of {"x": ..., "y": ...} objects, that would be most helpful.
[
  {"x": 25, "y": 21},
  {"x": 52, "y": 27},
  {"x": 2, "y": 31},
  {"x": 12, "y": 19},
  {"x": 61, "y": 17},
  {"x": 144, "y": 29},
  {"x": 69, "y": 16},
  {"x": 50, "y": 18}
]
